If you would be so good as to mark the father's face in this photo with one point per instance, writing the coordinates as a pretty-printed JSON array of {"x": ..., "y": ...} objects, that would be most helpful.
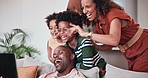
[{"x": 61, "y": 58}]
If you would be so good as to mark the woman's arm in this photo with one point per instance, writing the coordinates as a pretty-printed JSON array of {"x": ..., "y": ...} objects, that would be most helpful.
[
  {"x": 102, "y": 47},
  {"x": 112, "y": 38}
]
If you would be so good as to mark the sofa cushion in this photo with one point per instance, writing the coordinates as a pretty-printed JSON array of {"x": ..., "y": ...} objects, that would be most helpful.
[
  {"x": 43, "y": 67},
  {"x": 27, "y": 72},
  {"x": 91, "y": 73}
]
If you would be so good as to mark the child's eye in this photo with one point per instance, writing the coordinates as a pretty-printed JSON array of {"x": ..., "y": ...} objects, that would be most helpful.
[
  {"x": 50, "y": 28},
  {"x": 59, "y": 30},
  {"x": 65, "y": 29}
]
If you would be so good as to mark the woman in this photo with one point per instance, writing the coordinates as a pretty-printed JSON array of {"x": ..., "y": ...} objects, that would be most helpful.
[
  {"x": 114, "y": 27},
  {"x": 54, "y": 40}
]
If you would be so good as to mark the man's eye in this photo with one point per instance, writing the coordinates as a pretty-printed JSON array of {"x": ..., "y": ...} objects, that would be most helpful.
[{"x": 61, "y": 52}]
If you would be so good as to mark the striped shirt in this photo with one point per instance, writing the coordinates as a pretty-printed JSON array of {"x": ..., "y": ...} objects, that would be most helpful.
[{"x": 87, "y": 55}]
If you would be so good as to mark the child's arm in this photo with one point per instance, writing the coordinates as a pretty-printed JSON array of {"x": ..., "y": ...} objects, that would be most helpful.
[
  {"x": 49, "y": 51},
  {"x": 87, "y": 50}
]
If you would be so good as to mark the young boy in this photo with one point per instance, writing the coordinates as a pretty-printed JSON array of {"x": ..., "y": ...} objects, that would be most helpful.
[{"x": 86, "y": 54}]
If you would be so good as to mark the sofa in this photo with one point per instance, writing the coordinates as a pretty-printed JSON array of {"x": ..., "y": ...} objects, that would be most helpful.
[{"x": 32, "y": 68}]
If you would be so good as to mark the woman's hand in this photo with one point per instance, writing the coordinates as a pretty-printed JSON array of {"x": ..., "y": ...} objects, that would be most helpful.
[{"x": 79, "y": 30}]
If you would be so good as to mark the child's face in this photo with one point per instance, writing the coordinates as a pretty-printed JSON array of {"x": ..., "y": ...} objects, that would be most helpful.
[
  {"x": 53, "y": 28},
  {"x": 65, "y": 31}
]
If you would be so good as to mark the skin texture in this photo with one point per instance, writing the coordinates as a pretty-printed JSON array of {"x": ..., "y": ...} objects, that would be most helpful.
[
  {"x": 67, "y": 34},
  {"x": 53, "y": 28},
  {"x": 63, "y": 60}
]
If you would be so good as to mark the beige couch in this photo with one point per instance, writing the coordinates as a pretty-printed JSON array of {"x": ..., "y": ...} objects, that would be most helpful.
[{"x": 33, "y": 68}]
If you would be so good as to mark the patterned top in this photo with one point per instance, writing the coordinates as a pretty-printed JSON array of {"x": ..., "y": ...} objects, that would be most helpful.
[{"x": 87, "y": 55}]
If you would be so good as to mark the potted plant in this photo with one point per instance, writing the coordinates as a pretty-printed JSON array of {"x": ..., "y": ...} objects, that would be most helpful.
[{"x": 15, "y": 42}]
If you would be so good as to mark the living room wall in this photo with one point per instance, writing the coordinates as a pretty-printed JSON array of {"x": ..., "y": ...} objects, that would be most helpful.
[{"x": 29, "y": 15}]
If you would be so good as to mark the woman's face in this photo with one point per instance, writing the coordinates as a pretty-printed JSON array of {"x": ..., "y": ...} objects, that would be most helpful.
[
  {"x": 53, "y": 28},
  {"x": 89, "y": 8}
]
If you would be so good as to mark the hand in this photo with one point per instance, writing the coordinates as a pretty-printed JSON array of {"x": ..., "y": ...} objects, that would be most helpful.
[
  {"x": 51, "y": 59},
  {"x": 101, "y": 72},
  {"x": 79, "y": 30}
]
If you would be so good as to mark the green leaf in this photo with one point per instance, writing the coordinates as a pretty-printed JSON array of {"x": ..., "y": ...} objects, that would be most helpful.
[{"x": 14, "y": 42}]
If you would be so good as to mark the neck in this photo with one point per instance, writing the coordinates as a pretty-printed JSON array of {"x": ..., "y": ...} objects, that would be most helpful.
[
  {"x": 67, "y": 71},
  {"x": 73, "y": 43}
]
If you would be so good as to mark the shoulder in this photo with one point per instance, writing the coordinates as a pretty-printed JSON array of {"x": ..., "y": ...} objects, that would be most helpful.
[
  {"x": 116, "y": 13},
  {"x": 49, "y": 75},
  {"x": 76, "y": 74}
]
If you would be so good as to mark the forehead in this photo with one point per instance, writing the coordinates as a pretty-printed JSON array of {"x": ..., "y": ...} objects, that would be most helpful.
[
  {"x": 52, "y": 22},
  {"x": 59, "y": 49},
  {"x": 63, "y": 24}
]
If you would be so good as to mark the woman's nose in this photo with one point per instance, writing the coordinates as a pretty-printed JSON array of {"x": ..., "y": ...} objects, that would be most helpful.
[{"x": 84, "y": 11}]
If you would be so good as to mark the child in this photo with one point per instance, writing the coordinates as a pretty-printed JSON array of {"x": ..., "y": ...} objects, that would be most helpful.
[
  {"x": 86, "y": 54},
  {"x": 53, "y": 42}
]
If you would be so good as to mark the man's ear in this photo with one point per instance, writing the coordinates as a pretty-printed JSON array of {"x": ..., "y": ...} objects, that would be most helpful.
[{"x": 72, "y": 56}]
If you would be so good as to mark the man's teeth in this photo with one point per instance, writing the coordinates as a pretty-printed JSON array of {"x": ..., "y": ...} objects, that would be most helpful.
[{"x": 57, "y": 61}]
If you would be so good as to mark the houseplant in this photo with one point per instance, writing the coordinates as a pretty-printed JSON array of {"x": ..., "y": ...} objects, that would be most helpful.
[{"x": 15, "y": 42}]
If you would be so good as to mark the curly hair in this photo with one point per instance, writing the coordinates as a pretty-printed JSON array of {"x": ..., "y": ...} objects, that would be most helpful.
[
  {"x": 69, "y": 16},
  {"x": 104, "y": 6},
  {"x": 51, "y": 17}
]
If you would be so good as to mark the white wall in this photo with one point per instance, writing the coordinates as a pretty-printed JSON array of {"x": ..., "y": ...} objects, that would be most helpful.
[
  {"x": 29, "y": 15},
  {"x": 142, "y": 13},
  {"x": 130, "y": 6}
]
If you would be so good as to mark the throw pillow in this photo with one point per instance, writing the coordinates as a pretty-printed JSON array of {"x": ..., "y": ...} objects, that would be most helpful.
[
  {"x": 91, "y": 73},
  {"x": 27, "y": 72}
]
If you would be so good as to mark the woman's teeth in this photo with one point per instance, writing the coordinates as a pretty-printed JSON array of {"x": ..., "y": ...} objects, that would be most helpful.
[{"x": 88, "y": 15}]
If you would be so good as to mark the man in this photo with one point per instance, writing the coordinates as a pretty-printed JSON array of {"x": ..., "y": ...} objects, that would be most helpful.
[{"x": 64, "y": 61}]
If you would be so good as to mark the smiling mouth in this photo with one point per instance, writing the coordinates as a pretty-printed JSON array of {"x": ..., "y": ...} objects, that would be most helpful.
[
  {"x": 54, "y": 34},
  {"x": 57, "y": 62},
  {"x": 63, "y": 37},
  {"x": 88, "y": 16}
]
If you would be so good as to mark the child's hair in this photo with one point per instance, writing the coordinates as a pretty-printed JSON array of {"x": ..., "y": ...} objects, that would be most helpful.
[
  {"x": 69, "y": 16},
  {"x": 51, "y": 17}
]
